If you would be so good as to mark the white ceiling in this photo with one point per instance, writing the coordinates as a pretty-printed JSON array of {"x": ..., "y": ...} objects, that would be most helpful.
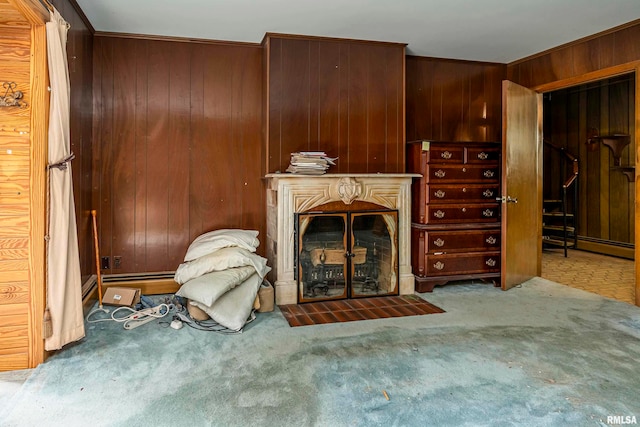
[{"x": 482, "y": 30}]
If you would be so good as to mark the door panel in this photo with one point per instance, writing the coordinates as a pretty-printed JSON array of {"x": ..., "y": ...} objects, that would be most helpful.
[{"x": 522, "y": 181}]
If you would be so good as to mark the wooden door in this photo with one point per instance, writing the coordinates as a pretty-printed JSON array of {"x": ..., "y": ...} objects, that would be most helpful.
[{"x": 521, "y": 184}]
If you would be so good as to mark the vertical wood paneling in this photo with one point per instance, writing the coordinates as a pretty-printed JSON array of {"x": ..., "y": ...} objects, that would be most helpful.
[
  {"x": 328, "y": 91},
  {"x": 453, "y": 100},
  {"x": 344, "y": 158},
  {"x": 394, "y": 111},
  {"x": 197, "y": 146},
  {"x": 248, "y": 125},
  {"x": 274, "y": 89},
  {"x": 123, "y": 153},
  {"x": 103, "y": 143},
  {"x": 139, "y": 159},
  {"x": 178, "y": 151},
  {"x": 190, "y": 159},
  {"x": 294, "y": 118},
  {"x": 15, "y": 208},
  {"x": 357, "y": 113},
  {"x": 343, "y": 97},
  {"x": 377, "y": 101},
  {"x": 158, "y": 145}
]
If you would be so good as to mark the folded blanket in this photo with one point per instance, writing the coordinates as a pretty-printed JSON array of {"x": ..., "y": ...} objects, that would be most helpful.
[
  {"x": 207, "y": 288},
  {"x": 232, "y": 309},
  {"x": 219, "y": 260}
]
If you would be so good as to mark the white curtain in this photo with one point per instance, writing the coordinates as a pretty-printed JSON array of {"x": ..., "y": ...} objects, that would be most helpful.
[{"x": 64, "y": 290}]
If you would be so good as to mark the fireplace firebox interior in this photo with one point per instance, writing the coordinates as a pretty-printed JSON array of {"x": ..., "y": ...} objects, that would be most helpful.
[{"x": 346, "y": 255}]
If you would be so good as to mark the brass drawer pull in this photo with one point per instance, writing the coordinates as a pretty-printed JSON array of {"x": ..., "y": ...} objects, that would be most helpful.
[
  {"x": 438, "y": 265},
  {"x": 438, "y": 242},
  {"x": 487, "y": 193},
  {"x": 483, "y": 156},
  {"x": 491, "y": 262},
  {"x": 491, "y": 240},
  {"x": 464, "y": 169},
  {"x": 440, "y": 173},
  {"x": 487, "y": 213},
  {"x": 446, "y": 155},
  {"x": 464, "y": 209},
  {"x": 489, "y": 173},
  {"x": 439, "y": 194},
  {"x": 438, "y": 214}
]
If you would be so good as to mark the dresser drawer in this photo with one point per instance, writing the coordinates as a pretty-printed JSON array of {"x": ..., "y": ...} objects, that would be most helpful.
[
  {"x": 462, "y": 241},
  {"x": 438, "y": 153},
  {"x": 452, "y": 193},
  {"x": 461, "y": 173},
  {"x": 484, "y": 155},
  {"x": 467, "y": 263},
  {"x": 459, "y": 213}
]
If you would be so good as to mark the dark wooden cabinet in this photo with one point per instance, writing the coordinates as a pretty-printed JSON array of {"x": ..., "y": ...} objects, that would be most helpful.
[{"x": 455, "y": 229}]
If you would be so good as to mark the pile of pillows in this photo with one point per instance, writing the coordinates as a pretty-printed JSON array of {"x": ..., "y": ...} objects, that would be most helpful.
[{"x": 221, "y": 275}]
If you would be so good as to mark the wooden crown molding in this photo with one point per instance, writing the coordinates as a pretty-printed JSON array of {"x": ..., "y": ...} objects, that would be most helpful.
[
  {"x": 458, "y": 61},
  {"x": 324, "y": 38},
  {"x": 174, "y": 39},
  {"x": 576, "y": 42}
]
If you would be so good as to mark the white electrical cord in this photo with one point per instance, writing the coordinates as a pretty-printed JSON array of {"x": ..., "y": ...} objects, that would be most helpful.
[{"x": 135, "y": 318}]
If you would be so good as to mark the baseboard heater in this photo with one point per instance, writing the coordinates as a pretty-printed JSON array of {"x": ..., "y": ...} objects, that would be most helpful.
[
  {"x": 150, "y": 283},
  {"x": 606, "y": 247}
]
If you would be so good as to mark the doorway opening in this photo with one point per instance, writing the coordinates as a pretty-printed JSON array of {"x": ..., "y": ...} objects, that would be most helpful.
[{"x": 595, "y": 123}]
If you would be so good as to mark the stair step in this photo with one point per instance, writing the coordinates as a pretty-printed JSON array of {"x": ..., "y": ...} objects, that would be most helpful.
[
  {"x": 557, "y": 242},
  {"x": 558, "y": 228},
  {"x": 556, "y": 214}
]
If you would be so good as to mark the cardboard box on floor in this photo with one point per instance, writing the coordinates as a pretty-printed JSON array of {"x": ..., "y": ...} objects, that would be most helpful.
[{"x": 125, "y": 297}]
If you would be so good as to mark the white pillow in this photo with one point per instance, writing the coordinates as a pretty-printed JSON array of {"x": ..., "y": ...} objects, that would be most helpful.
[
  {"x": 220, "y": 260},
  {"x": 232, "y": 309},
  {"x": 212, "y": 241},
  {"x": 207, "y": 288}
]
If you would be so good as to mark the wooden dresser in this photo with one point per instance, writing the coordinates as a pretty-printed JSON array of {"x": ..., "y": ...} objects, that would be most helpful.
[{"x": 455, "y": 218}]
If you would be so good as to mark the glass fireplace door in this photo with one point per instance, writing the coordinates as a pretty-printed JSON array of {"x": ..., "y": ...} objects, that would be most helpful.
[
  {"x": 322, "y": 264},
  {"x": 346, "y": 255},
  {"x": 374, "y": 254}
]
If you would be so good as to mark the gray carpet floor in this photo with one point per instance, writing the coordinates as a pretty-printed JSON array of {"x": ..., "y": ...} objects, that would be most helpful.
[{"x": 541, "y": 354}]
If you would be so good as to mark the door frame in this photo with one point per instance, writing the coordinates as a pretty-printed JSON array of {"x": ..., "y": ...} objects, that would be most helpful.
[{"x": 630, "y": 67}]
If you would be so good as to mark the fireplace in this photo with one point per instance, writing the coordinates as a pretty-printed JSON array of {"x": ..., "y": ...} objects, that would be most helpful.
[
  {"x": 314, "y": 221},
  {"x": 349, "y": 254}
]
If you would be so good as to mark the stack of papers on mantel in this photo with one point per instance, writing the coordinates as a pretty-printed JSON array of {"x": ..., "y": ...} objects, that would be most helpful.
[{"x": 310, "y": 162}]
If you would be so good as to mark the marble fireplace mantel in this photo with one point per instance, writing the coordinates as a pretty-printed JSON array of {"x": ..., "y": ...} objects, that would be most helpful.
[{"x": 288, "y": 194}]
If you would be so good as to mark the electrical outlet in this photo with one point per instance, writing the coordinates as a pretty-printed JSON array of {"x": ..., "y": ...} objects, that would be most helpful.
[
  {"x": 105, "y": 263},
  {"x": 117, "y": 261}
]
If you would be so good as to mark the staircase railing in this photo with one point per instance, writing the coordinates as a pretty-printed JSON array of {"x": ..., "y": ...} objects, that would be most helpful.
[{"x": 570, "y": 181}]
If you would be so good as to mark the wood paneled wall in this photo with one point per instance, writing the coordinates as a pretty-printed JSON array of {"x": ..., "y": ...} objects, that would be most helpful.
[
  {"x": 80, "y": 58},
  {"x": 600, "y": 51},
  {"x": 15, "y": 50},
  {"x": 343, "y": 97},
  {"x": 606, "y": 196},
  {"x": 177, "y": 146},
  {"x": 22, "y": 185},
  {"x": 451, "y": 100}
]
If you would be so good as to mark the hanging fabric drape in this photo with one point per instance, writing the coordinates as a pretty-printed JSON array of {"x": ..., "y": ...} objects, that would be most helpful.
[{"x": 64, "y": 289}]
